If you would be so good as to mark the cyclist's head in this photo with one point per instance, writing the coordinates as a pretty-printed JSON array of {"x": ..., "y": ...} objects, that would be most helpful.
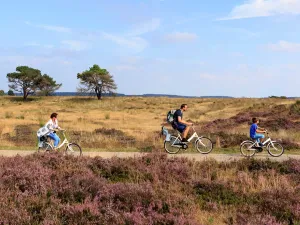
[
  {"x": 255, "y": 120},
  {"x": 183, "y": 107},
  {"x": 53, "y": 115}
]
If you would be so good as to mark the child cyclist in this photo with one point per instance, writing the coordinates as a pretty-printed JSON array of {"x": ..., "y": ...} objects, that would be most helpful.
[{"x": 257, "y": 132}]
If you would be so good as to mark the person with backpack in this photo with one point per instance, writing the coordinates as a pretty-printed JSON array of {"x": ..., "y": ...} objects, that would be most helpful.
[
  {"x": 179, "y": 124},
  {"x": 52, "y": 125}
]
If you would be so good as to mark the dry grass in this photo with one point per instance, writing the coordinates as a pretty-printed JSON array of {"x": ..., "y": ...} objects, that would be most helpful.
[{"x": 138, "y": 118}]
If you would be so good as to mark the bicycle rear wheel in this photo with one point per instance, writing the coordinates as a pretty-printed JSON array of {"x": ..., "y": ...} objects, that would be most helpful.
[
  {"x": 46, "y": 147},
  {"x": 247, "y": 150},
  {"x": 172, "y": 146},
  {"x": 204, "y": 145},
  {"x": 275, "y": 149},
  {"x": 73, "y": 149}
]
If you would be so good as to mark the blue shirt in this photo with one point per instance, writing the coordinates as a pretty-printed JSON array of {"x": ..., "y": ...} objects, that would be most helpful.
[
  {"x": 253, "y": 129},
  {"x": 177, "y": 114}
]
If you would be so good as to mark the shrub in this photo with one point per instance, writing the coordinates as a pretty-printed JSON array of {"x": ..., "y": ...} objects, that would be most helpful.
[{"x": 10, "y": 93}]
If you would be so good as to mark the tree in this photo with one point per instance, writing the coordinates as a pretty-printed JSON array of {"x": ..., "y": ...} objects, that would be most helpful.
[
  {"x": 25, "y": 80},
  {"x": 10, "y": 93},
  {"x": 96, "y": 80},
  {"x": 2, "y": 93},
  {"x": 47, "y": 85}
]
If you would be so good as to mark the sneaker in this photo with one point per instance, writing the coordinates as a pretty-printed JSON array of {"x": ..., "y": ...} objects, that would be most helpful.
[
  {"x": 184, "y": 140},
  {"x": 260, "y": 144}
]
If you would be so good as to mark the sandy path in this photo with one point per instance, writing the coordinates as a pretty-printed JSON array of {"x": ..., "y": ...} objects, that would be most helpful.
[{"x": 197, "y": 157}]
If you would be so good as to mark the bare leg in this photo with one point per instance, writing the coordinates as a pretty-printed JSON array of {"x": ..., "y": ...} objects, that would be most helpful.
[{"x": 185, "y": 132}]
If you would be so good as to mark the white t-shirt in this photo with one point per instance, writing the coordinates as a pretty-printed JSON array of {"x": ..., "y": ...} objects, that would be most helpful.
[{"x": 52, "y": 125}]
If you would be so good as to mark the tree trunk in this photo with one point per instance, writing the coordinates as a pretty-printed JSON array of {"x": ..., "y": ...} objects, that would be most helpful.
[
  {"x": 24, "y": 94},
  {"x": 98, "y": 93}
]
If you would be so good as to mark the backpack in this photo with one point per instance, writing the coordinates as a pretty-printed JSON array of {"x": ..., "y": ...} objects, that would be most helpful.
[
  {"x": 42, "y": 131},
  {"x": 170, "y": 116}
]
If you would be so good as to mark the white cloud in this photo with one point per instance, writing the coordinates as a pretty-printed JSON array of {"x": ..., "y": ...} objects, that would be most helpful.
[
  {"x": 181, "y": 37},
  {"x": 263, "y": 8},
  {"x": 285, "y": 46},
  {"x": 50, "y": 27},
  {"x": 136, "y": 44},
  {"x": 75, "y": 45},
  {"x": 146, "y": 27}
]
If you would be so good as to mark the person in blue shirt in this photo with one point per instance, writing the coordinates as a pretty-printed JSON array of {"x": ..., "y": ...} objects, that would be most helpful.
[
  {"x": 257, "y": 132},
  {"x": 181, "y": 125}
]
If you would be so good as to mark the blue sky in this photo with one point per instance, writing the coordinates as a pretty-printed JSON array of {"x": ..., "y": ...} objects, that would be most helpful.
[{"x": 209, "y": 47}]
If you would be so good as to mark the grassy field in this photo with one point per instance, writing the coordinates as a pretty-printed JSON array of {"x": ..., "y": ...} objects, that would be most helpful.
[{"x": 134, "y": 123}]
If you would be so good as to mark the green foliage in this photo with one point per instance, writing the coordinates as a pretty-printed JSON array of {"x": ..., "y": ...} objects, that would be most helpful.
[
  {"x": 281, "y": 97},
  {"x": 28, "y": 81},
  {"x": 25, "y": 80},
  {"x": 2, "y": 93},
  {"x": 96, "y": 80},
  {"x": 11, "y": 93},
  {"x": 217, "y": 193},
  {"x": 47, "y": 85}
]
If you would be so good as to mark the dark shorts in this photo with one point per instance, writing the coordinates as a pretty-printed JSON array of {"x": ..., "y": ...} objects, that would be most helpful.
[{"x": 179, "y": 126}]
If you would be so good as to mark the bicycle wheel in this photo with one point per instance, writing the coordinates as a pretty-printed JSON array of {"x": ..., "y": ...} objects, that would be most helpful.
[
  {"x": 172, "y": 146},
  {"x": 204, "y": 145},
  {"x": 46, "y": 147},
  {"x": 275, "y": 149},
  {"x": 247, "y": 150},
  {"x": 73, "y": 149}
]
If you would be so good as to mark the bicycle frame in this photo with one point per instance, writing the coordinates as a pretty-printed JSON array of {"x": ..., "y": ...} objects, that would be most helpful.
[
  {"x": 63, "y": 143},
  {"x": 195, "y": 135},
  {"x": 264, "y": 143}
]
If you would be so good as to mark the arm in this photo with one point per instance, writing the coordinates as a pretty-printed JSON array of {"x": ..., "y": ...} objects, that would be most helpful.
[
  {"x": 260, "y": 131},
  {"x": 57, "y": 128},
  {"x": 184, "y": 122}
]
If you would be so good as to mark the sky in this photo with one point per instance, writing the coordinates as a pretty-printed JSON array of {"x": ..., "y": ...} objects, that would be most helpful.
[{"x": 233, "y": 48}]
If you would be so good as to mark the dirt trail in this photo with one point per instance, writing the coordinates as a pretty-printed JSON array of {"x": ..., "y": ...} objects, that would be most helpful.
[{"x": 197, "y": 157}]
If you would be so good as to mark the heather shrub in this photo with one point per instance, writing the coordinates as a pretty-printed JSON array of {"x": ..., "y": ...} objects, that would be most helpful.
[
  {"x": 153, "y": 189},
  {"x": 219, "y": 193},
  {"x": 295, "y": 109}
]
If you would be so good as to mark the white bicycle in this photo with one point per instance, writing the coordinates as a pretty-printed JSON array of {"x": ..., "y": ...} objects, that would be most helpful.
[
  {"x": 71, "y": 148},
  {"x": 203, "y": 144},
  {"x": 249, "y": 148}
]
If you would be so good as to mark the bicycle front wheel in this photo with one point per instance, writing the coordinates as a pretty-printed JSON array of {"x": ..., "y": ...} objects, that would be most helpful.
[
  {"x": 275, "y": 149},
  {"x": 247, "y": 149},
  {"x": 204, "y": 145},
  {"x": 172, "y": 146},
  {"x": 73, "y": 149},
  {"x": 46, "y": 147}
]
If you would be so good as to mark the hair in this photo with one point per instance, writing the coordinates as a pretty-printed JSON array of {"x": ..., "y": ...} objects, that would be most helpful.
[
  {"x": 182, "y": 106},
  {"x": 254, "y": 120},
  {"x": 53, "y": 115}
]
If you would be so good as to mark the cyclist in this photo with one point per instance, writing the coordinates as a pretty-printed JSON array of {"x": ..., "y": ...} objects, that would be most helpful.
[
  {"x": 52, "y": 125},
  {"x": 181, "y": 125},
  {"x": 257, "y": 132}
]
